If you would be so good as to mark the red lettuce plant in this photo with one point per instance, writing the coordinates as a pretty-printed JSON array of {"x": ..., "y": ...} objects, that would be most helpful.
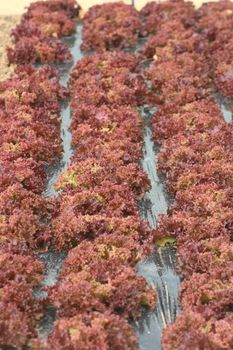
[
  {"x": 36, "y": 49},
  {"x": 215, "y": 24},
  {"x": 154, "y": 14},
  {"x": 90, "y": 331},
  {"x": 123, "y": 293},
  {"x": 36, "y": 37},
  {"x": 110, "y": 26},
  {"x": 20, "y": 272},
  {"x": 192, "y": 331}
]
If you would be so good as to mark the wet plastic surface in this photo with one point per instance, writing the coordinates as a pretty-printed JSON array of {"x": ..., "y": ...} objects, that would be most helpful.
[
  {"x": 156, "y": 201},
  {"x": 159, "y": 269},
  {"x": 53, "y": 263},
  {"x": 226, "y": 105},
  {"x": 55, "y": 170}
]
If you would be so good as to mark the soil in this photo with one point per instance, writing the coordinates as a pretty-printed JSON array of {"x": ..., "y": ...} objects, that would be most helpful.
[{"x": 7, "y": 23}]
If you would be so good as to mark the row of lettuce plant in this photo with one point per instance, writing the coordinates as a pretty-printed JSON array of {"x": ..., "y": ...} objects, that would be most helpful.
[
  {"x": 30, "y": 140},
  {"x": 196, "y": 157},
  {"x": 215, "y": 23}
]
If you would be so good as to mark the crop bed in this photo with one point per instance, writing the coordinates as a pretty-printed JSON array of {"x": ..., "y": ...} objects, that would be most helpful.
[{"x": 95, "y": 221}]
